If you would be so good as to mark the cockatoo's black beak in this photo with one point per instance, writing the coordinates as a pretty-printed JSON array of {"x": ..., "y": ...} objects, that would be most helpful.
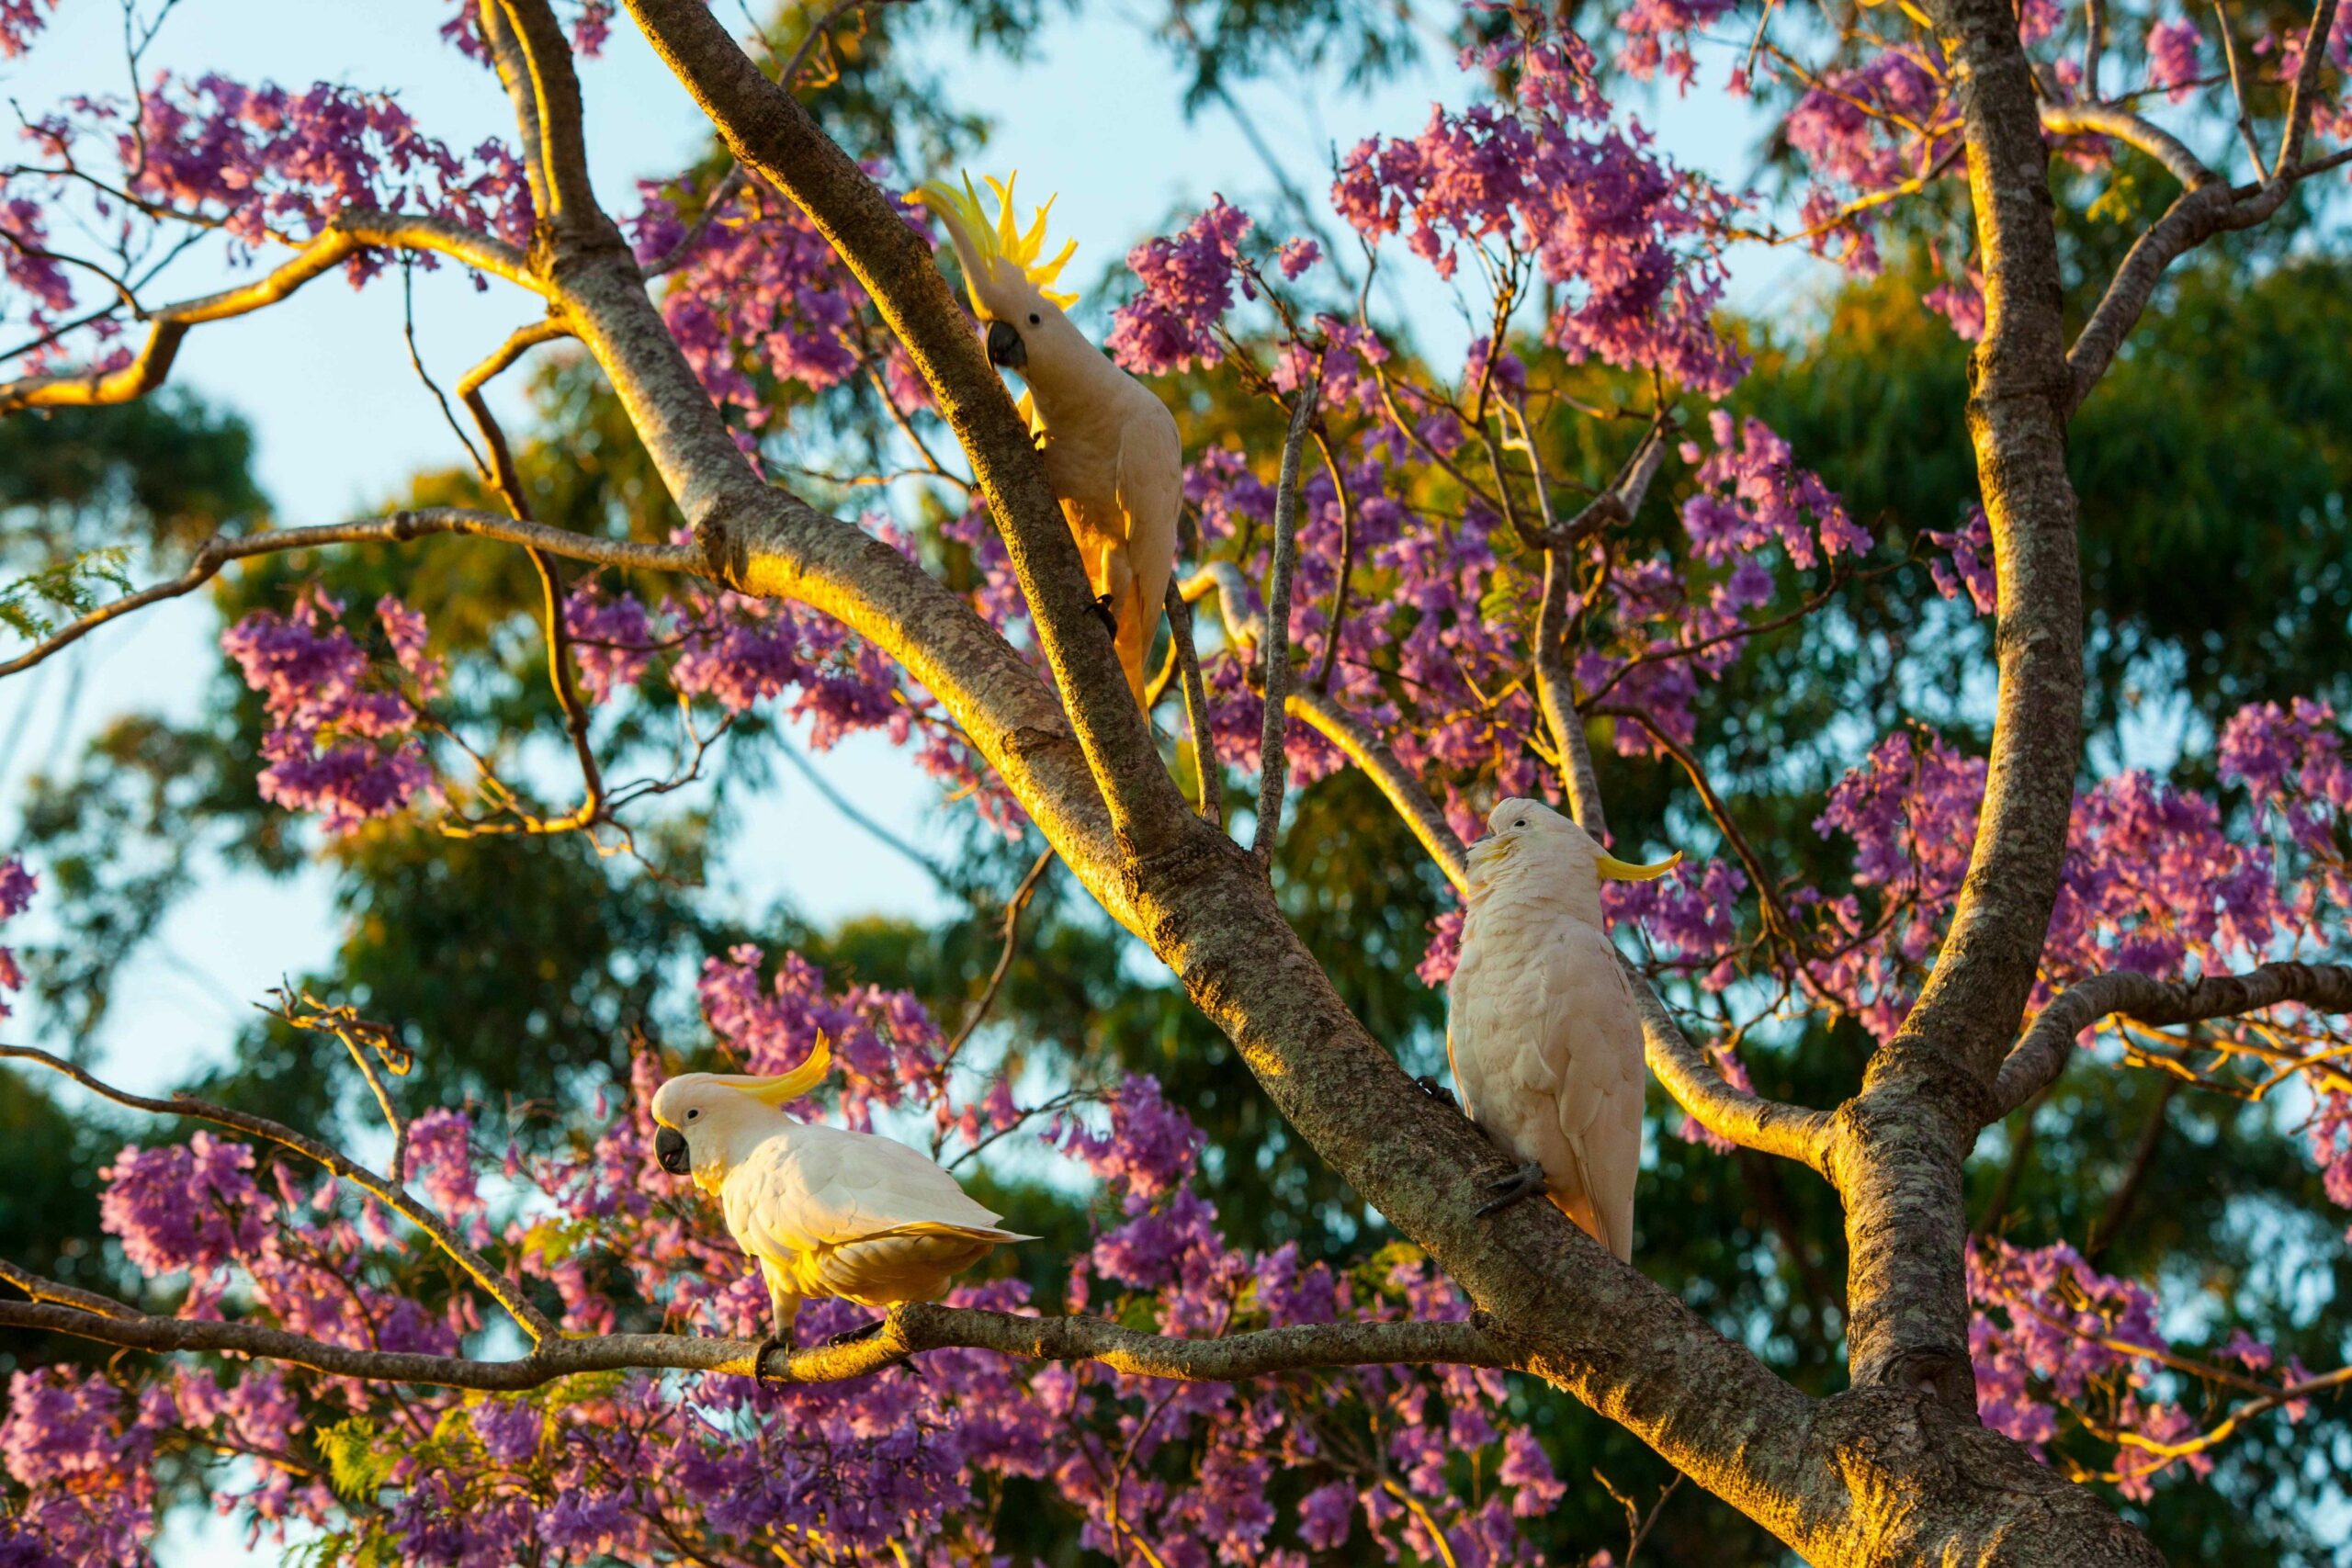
[
  {"x": 669, "y": 1148},
  {"x": 1005, "y": 347}
]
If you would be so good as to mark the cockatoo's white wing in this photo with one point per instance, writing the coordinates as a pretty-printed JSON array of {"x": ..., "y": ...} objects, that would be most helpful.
[
  {"x": 1599, "y": 1097},
  {"x": 823, "y": 1186},
  {"x": 848, "y": 1214},
  {"x": 1150, "y": 483},
  {"x": 1547, "y": 1052}
]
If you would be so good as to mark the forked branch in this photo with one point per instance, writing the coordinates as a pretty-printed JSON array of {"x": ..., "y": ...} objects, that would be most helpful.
[{"x": 2040, "y": 1055}]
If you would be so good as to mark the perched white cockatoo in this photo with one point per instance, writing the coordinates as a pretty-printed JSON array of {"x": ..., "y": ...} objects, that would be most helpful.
[
  {"x": 1541, "y": 1030},
  {"x": 1110, "y": 446},
  {"x": 824, "y": 1212}
]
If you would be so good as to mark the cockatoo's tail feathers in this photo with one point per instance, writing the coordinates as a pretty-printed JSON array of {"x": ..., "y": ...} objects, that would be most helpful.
[
  {"x": 986, "y": 244},
  {"x": 785, "y": 1087},
  {"x": 1616, "y": 870}
]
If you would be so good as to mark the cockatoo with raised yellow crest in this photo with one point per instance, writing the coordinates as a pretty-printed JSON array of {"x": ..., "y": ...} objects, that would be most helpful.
[
  {"x": 823, "y": 1212},
  {"x": 1110, "y": 446},
  {"x": 1540, "y": 1028}
]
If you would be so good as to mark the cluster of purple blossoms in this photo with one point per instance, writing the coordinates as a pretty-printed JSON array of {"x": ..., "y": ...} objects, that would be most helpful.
[
  {"x": 2174, "y": 47},
  {"x": 758, "y": 297},
  {"x": 1605, "y": 220},
  {"x": 884, "y": 1044},
  {"x": 267, "y": 161},
  {"x": 1189, "y": 279},
  {"x": 20, "y": 20},
  {"x": 636, "y": 1464},
  {"x": 340, "y": 742},
  {"x": 2052, "y": 1334}
]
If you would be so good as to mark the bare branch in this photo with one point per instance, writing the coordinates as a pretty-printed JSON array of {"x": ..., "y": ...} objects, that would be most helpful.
[
  {"x": 1365, "y": 750},
  {"x": 1211, "y": 805},
  {"x": 2198, "y": 215},
  {"x": 772, "y": 134},
  {"x": 1555, "y": 688},
  {"x": 389, "y": 1193},
  {"x": 1013, "y": 909},
  {"x": 1273, "y": 650},
  {"x": 2042, "y": 1054},
  {"x": 2095, "y": 120},
  {"x": 346, "y": 236},
  {"x": 1791, "y": 1132},
  {"x": 2303, "y": 97},
  {"x": 905, "y": 1330},
  {"x": 725, "y": 191},
  {"x": 398, "y": 528},
  {"x": 1395, "y": 780}
]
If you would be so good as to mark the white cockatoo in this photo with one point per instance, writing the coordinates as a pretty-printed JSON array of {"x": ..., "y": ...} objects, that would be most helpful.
[
  {"x": 1541, "y": 1030},
  {"x": 823, "y": 1212},
  {"x": 1110, "y": 446}
]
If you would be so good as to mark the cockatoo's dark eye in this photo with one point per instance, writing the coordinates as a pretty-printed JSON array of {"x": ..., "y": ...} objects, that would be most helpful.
[
  {"x": 692, "y": 1115},
  {"x": 1032, "y": 318},
  {"x": 1520, "y": 823}
]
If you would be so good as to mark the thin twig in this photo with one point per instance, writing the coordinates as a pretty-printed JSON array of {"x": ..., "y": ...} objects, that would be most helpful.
[
  {"x": 400, "y": 527},
  {"x": 505, "y": 1292},
  {"x": 1274, "y": 650},
  {"x": 1013, "y": 909},
  {"x": 1209, "y": 776}
]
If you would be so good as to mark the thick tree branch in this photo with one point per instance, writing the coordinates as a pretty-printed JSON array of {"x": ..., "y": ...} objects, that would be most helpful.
[
  {"x": 2098, "y": 119},
  {"x": 772, "y": 135},
  {"x": 905, "y": 1330},
  {"x": 1209, "y": 774},
  {"x": 1898, "y": 1154},
  {"x": 345, "y": 237},
  {"x": 1273, "y": 648},
  {"x": 2041, "y": 1054},
  {"x": 1791, "y": 1132},
  {"x": 2205, "y": 209},
  {"x": 545, "y": 57},
  {"x": 399, "y": 528}
]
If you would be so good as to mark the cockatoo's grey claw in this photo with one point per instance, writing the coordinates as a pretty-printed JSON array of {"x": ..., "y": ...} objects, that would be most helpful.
[
  {"x": 773, "y": 1342},
  {"x": 1102, "y": 611},
  {"x": 1525, "y": 1182},
  {"x": 851, "y": 1336},
  {"x": 1437, "y": 1090}
]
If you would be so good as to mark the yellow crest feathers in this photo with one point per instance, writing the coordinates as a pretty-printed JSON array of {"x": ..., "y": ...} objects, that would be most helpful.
[
  {"x": 785, "y": 1087},
  {"x": 1002, "y": 241}
]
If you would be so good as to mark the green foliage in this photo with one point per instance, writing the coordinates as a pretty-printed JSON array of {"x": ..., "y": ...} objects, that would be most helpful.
[{"x": 34, "y": 606}]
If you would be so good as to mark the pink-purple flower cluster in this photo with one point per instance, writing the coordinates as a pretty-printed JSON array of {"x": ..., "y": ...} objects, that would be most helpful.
[
  {"x": 2052, "y": 1337},
  {"x": 342, "y": 740},
  {"x": 1188, "y": 280},
  {"x": 639, "y": 1465}
]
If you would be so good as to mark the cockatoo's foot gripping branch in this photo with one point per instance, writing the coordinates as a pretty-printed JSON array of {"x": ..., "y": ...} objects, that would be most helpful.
[
  {"x": 1437, "y": 1092},
  {"x": 1527, "y": 1181}
]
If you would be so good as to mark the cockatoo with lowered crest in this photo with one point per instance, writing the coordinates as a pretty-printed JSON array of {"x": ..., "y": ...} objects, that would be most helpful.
[
  {"x": 823, "y": 1212},
  {"x": 1110, "y": 446},
  {"x": 1540, "y": 1029}
]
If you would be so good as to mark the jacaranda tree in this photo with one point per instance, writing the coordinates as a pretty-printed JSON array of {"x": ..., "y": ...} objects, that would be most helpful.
[{"x": 485, "y": 1348}]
